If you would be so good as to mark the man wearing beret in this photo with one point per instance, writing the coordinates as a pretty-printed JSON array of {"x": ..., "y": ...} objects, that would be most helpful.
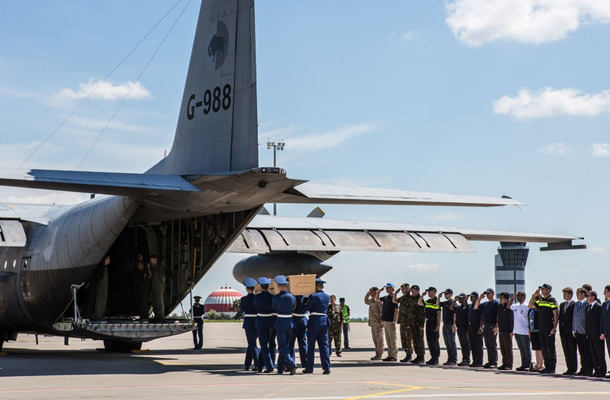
[{"x": 247, "y": 306}]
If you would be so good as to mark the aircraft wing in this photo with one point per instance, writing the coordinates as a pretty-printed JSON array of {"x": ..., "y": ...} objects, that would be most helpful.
[
  {"x": 111, "y": 183},
  {"x": 267, "y": 234},
  {"x": 332, "y": 194}
]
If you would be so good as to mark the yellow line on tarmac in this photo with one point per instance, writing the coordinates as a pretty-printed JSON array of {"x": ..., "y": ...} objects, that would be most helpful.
[{"x": 408, "y": 389}]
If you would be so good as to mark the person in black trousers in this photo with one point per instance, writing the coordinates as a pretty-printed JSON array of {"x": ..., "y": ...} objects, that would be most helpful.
[
  {"x": 506, "y": 322},
  {"x": 568, "y": 339},
  {"x": 598, "y": 355},
  {"x": 605, "y": 318},
  {"x": 490, "y": 325},
  {"x": 475, "y": 332},
  {"x": 580, "y": 332},
  {"x": 460, "y": 307},
  {"x": 548, "y": 319}
]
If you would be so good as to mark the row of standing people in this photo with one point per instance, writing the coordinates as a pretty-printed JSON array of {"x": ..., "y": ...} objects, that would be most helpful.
[
  {"x": 283, "y": 319},
  {"x": 583, "y": 324}
]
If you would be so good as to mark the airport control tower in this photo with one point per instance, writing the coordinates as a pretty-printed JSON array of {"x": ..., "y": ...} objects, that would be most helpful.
[{"x": 510, "y": 267}]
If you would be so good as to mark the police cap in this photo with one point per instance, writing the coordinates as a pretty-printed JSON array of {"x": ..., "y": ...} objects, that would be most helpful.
[
  {"x": 431, "y": 288},
  {"x": 249, "y": 282},
  {"x": 546, "y": 286}
]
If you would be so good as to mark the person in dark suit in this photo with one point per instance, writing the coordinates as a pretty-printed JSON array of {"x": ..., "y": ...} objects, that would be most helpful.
[
  {"x": 593, "y": 324},
  {"x": 568, "y": 340},
  {"x": 580, "y": 333},
  {"x": 605, "y": 318}
]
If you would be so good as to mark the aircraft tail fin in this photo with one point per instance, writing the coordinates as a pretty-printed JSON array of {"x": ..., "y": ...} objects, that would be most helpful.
[{"x": 217, "y": 128}]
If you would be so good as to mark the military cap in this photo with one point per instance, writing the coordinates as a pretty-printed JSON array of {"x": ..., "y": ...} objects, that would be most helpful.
[
  {"x": 320, "y": 281},
  {"x": 415, "y": 287},
  {"x": 264, "y": 281},
  {"x": 281, "y": 280},
  {"x": 475, "y": 294},
  {"x": 431, "y": 288},
  {"x": 249, "y": 282},
  {"x": 197, "y": 297}
]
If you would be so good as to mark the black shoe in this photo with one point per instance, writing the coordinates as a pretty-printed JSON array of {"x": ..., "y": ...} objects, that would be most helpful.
[
  {"x": 389, "y": 359},
  {"x": 568, "y": 373},
  {"x": 280, "y": 372},
  {"x": 326, "y": 372},
  {"x": 464, "y": 363},
  {"x": 268, "y": 371},
  {"x": 449, "y": 363},
  {"x": 307, "y": 372},
  {"x": 347, "y": 348},
  {"x": 490, "y": 366},
  {"x": 548, "y": 371},
  {"x": 339, "y": 355},
  {"x": 473, "y": 365},
  {"x": 247, "y": 369},
  {"x": 406, "y": 359},
  {"x": 432, "y": 361},
  {"x": 418, "y": 360},
  {"x": 599, "y": 374},
  {"x": 293, "y": 371},
  {"x": 522, "y": 368},
  {"x": 504, "y": 368},
  {"x": 259, "y": 370}
]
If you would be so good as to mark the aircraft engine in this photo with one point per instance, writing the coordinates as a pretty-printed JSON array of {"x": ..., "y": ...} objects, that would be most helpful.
[{"x": 270, "y": 265}]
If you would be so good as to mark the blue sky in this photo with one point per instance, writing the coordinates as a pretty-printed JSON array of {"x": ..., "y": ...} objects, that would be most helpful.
[{"x": 469, "y": 96}]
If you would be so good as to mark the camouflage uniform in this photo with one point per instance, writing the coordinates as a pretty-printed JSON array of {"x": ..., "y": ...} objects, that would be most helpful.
[
  {"x": 335, "y": 315},
  {"x": 404, "y": 319},
  {"x": 414, "y": 333}
]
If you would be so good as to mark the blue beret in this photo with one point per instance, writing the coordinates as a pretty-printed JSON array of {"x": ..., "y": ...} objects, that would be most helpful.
[
  {"x": 249, "y": 282},
  {"x": 281, "y": 280},
  {"x": 389, "y": 284},
  {"x": 264, "y": 281},
  {"x": 318, "y": 280}
]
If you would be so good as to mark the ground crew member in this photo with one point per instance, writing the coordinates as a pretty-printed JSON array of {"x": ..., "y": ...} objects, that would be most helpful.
[
  {"x": 157, "y": 287},
  {"x": 317, "y": 328},
  {"x": 247, "y": 306},
  {"x": 489, "y": 311},
  {"x": 448, "y": 325},
  {"x": 404, "y": 320},
  {"x": 460, "y": 307},
  {"x": 370, "y": 299},
  {"x": 417, "y": 320},
  {"x": 197, "y": 313},
  {"x": 433, "y": 321},
  {"x": 548, "y": 318},
  {"x": 299, "y": 332},
  {"x": 265, "y": 324},
  {"x": 335, "y": 315},
  {"x": 346, "y": 315},
  {"x": 475, "y": 331},
  {"x": 389, "y": 315},
  {"x": 283, "y": 304}
]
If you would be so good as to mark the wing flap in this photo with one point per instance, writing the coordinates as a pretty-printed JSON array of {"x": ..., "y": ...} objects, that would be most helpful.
[
  {"x": 111, "y": 183},
  {"x": 332, "y": 194}
]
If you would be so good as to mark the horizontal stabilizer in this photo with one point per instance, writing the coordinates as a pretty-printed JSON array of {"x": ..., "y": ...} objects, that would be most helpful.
[
  {"x": 267, "y": 234},
  {"x": 332, "y": 194},
  {"x": 111, "y": 183}
]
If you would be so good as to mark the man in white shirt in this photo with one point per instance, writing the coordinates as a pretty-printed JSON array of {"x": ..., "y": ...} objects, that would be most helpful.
[{"x": 521, "y": 329}]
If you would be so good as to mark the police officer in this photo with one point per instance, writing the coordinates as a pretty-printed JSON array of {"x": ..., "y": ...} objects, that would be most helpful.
[
  {"x": 417, "y": 319},
  {"x": 475, "y": 331},
  {"x": 317, "y": 327},
  {"x": 247, "y": 306},
  {"x": 283, "y": 304},
  {"x": 265, "y": 324},
  {"x": 197, "y": 313},
  {"x": 299, "y": 332},
  {"x": 433, "y": 321},
  {"x": 548, "y": 318}
]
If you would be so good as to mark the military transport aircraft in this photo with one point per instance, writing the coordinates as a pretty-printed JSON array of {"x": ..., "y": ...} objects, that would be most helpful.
[{"x": 198, "y": 202}]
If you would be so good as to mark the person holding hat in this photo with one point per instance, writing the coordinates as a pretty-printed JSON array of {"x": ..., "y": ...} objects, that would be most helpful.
[
  {"x": 489, "y": 311},
  {"x": 371, "y": 299},
  {"x": 433, "y": 324},
  {"x": 389, "y": 315},
  {"x": 548, "y": 318},
  {"x": 460, "y": 308},
  {"x": 197, "y": 312},
  {"x": 283, "y": 304},
  {"x": 317, "y": 328},
  {"x": 246, "y": 304},
  {"x": 475, "y": 331},
  {"x": 448, "y": 325},
  {"x": 265, "y": 325}
]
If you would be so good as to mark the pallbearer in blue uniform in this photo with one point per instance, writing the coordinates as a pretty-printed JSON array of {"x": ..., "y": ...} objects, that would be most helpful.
[
  {"x": 265, "y": 324},
  {"x": 283, "y": 306},
  {"x": 247, "y": 306},
  {"x": 299, "y": 332},
  {"x": 317, "y": 327}
]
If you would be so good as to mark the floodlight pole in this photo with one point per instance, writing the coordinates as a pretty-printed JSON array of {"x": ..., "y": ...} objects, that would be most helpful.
[{"x": 276, "y": 146}]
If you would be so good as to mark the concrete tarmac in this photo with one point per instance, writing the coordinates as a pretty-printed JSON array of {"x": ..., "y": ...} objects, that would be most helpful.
[{"x": 52, "y": 370}]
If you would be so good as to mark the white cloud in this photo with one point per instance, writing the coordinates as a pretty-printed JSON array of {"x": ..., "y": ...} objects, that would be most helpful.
[
  {"x": 421, "y": 267},
  {"x": 409, "y": 35},
  {"x": 476, "y": 22},
  {"x": 329, "y": 139},
  {"x": 558, "y": 149},
  {"x": 106, "y": 91},
  {"x": 451, "y": 217},
  {"x": 597, "y": 249},
  {"x": 600, "y": 149},
  {"x": 549, "y": 102}
]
